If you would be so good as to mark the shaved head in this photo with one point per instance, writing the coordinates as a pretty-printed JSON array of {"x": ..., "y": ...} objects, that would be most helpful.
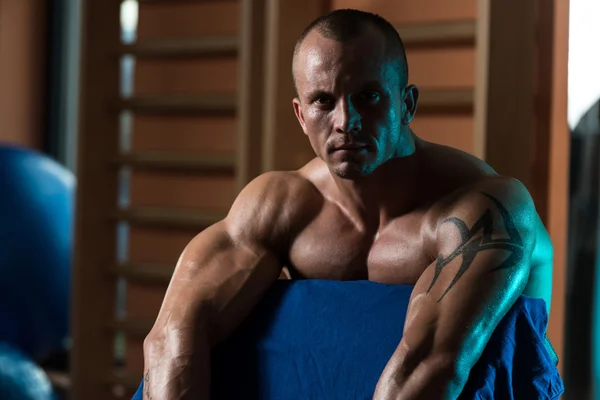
[{"x": 348, "y": 25}]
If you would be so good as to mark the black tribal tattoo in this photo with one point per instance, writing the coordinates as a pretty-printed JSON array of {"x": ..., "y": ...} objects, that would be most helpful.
[{"x": 471, "y": 245}]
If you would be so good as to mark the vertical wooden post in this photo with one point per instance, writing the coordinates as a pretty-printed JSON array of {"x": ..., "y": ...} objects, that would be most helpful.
[
  {"x": 482, "y": 55},
  {"x": 251, "y": 92},
  {"x": 95, "y": 240},
  {"x": 507, "y": 108},
  {"x": 284, "y": 145},
  {"x": 521, "y": 114}
]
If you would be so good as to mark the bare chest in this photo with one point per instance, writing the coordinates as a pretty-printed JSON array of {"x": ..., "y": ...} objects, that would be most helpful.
[{"x": 330, "y": 247}]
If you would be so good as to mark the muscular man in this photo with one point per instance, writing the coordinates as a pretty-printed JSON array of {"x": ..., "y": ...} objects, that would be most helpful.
[{"x": 377, "y": 203}]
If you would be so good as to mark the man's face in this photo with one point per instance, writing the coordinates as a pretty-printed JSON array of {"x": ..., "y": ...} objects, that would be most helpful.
[{"x": 349, "y": 102}]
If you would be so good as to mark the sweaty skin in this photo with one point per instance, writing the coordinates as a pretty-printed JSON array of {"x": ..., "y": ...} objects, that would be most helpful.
[{"x": 377, "y": 203}]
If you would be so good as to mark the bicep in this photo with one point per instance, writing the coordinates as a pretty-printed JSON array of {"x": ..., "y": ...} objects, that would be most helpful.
[
  {"x": 481, "y": 268},
  {"x": 226, "y": 269},
  {"x": 459, "y": 310},
  {"x": 216, "y": 253},
  {"x": 222, "y": 276},
  {"x": 540, "y": 283}
]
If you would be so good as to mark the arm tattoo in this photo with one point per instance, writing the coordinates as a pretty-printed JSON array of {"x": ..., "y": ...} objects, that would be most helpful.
[
  {"x": 147, "y": 385},
  {"x": 479, "y": 238}
]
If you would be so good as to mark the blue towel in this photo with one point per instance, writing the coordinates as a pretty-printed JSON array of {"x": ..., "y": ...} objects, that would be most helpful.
[{"x": 331, "y": 340}]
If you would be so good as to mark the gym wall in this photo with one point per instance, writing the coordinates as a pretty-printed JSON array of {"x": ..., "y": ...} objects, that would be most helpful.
[
  {"x": 181, "y": 135},
  {"x": 22, "y": 72},
  {"x": 210, "y": 108}
]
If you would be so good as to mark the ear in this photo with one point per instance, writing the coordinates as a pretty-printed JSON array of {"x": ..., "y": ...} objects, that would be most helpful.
[
  {"x": 409, "y": 104},
  {"x": 298, "y": 111}
]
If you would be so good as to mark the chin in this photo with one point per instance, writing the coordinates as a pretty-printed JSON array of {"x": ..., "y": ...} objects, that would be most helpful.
[{"x": 351, "y": 171}]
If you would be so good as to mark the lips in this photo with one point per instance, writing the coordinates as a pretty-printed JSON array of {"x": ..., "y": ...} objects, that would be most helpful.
[{"x": 350, "y": 147}]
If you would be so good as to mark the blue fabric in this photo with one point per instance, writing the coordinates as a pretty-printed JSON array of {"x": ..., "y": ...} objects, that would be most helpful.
[{"x": 331, "y": 340}]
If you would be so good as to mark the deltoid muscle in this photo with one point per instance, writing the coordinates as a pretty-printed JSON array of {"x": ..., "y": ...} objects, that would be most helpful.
[{"x": 479, "y": 238}]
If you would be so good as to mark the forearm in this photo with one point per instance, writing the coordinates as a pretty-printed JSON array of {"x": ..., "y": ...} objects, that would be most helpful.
[
  {"x": 194, "y": 318},
  {"x": 177, "y": 351},
  {"x": 177, "y": 364},
  {"x": 432, "y": 381},
  {"x": 420, "y": 376},
  {"x": 178, "y": 348}
]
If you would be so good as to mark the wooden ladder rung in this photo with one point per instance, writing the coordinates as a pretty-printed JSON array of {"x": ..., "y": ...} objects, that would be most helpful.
[
  {"x": 449, "y": 98},
  {"x": 199, "y": 104},
  {"x": 143, "y": 272},
  {"x": 137, "y": 328},
  {"x": 169, "y": 218},
  {"x": 208, "y": 163},
  {"x": 431, "y": 100},
  {"x": 176, "y": 48},
  {"x": 438, "y": 34}
]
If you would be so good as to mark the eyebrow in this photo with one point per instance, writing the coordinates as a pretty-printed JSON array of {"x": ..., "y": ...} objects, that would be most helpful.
[
  {"x": 372, "y": 84},
  {"x": 319, "y": 92}
]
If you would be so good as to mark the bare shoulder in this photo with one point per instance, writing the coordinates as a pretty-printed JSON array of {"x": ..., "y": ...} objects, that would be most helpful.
[
  {"x": 272, "y": 206},
  {"x": 491, "y": 207},
  {"x": 450, "y": 160},
  {"x": 495, "y": 213},
  {"x": 486, "y": 192}
]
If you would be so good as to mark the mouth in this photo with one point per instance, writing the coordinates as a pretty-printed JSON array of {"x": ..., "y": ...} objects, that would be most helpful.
[{"x": 353, "y": 147}]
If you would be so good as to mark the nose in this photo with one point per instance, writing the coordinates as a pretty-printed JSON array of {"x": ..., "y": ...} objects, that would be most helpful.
[{"x": 347, "y": 118}]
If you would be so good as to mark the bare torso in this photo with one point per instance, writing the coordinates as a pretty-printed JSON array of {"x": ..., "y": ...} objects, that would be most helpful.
[
  {"x": 302, "y": 221},
  {"x": 332, "y": 246}
]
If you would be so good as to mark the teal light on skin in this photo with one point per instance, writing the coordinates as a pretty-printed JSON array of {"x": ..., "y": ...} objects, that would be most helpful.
[{"x": 596, "y": 329}]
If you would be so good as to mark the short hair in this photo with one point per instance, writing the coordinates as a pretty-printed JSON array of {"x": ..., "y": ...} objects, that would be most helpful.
[{"x": 347, "y": 24}]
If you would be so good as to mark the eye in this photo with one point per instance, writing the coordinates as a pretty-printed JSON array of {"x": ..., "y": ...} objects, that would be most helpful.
[
  {"x": 370, "y": 96},
  {"x": 323, "y": 101}
]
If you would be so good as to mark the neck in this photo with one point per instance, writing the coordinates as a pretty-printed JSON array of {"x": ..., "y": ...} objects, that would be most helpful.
[{"x": 389, "y": 191}]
